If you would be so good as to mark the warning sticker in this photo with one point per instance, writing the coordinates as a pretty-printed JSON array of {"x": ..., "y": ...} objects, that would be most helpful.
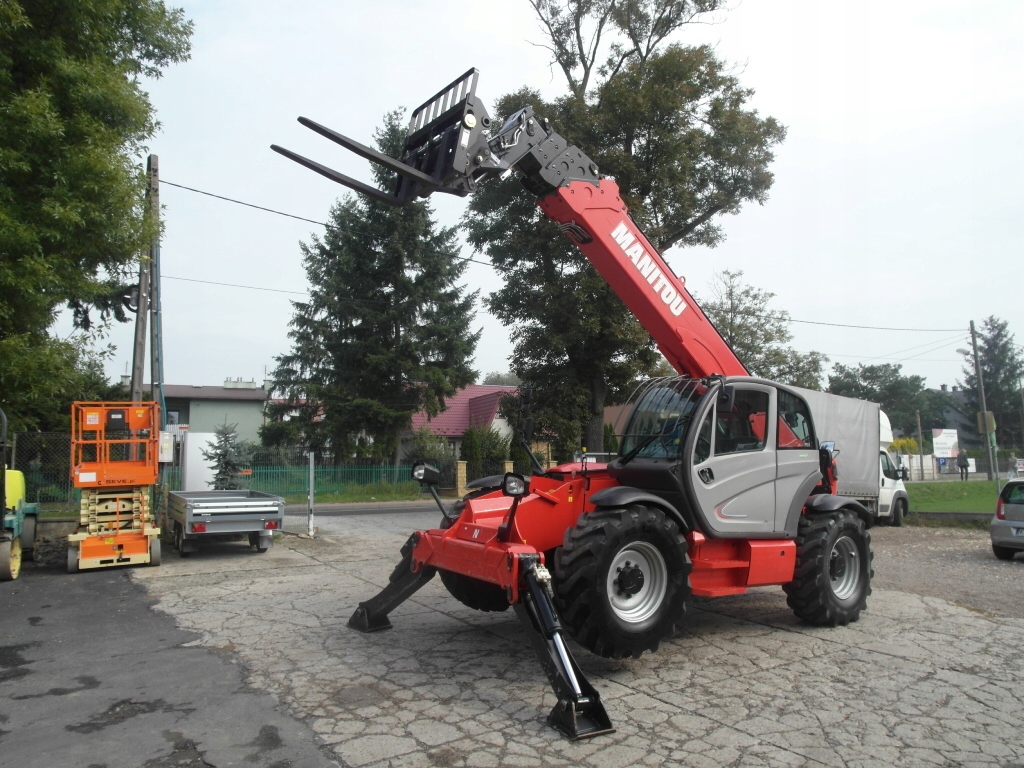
[{"x": 92, "y": 418}]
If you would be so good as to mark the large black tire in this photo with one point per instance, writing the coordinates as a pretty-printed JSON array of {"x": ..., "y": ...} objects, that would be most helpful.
[
  {"x": 179, "y": 541},
  {"x": 1003, "y": 553},
  {"x": 833, "y": 569},
  {"x": 622, "y": 580},
  {"x": 472, "y": 593},
  {"x": 899, "y": 510}
]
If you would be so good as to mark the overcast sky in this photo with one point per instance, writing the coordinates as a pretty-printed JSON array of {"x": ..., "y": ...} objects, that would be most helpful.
[{"x": 897, "y": 199}]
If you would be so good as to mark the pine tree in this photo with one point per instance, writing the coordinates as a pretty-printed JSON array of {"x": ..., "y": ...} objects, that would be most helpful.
[
  {"x": 223, "y": 455},
  {"x": 386, "y": 330},
  {"x": 1002, "y": 371}
]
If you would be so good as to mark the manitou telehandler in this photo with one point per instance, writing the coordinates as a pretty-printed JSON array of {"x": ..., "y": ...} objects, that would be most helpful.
[{"x": 721, "y": 482}]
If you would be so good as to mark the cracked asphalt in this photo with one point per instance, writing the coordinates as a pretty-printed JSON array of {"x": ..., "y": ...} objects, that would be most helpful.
[{"x": 918, "y": 681}]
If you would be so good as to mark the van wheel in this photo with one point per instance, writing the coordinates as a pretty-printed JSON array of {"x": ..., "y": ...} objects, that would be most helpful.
[
  {"x": 833, "y": 573},
  {"x": 898, "y": 513},
  {"x": 622, "y": 580}
]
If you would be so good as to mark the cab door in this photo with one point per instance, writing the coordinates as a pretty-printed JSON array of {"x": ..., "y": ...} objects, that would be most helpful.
[{"x": 732, "y": 470}]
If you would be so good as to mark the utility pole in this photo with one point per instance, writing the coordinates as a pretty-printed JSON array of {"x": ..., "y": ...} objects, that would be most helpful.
[
  {"x": 141, "y": 316},
  {"x": 993, "y": 468},
  {"x": 156, "y": 368}
]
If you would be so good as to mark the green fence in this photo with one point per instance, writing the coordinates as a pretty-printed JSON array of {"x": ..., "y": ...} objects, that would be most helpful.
[{"x": 285, "y": 481}]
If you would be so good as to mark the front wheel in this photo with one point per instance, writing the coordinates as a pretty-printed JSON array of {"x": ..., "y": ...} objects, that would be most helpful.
[
  {"x": 154, "y": 550},
  {"x": 622, "y": 580},
  {"x": 28, "y": 537},
  {"x": 899, "y": 511},
  {"x": 833, "y": 573}
]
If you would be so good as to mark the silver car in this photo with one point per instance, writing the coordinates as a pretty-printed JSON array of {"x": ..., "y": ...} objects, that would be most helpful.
[{"x": 1007, "y": 529}]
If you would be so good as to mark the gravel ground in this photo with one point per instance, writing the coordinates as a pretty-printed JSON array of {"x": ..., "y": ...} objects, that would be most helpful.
[{"x": 955, "y": 564}]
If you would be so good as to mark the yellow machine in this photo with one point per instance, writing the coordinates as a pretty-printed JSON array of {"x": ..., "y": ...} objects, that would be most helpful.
[{"x": 114, "y": 456}]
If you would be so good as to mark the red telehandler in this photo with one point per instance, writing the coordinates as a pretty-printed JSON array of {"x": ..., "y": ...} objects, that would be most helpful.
[{"x": 720, "y": 483}]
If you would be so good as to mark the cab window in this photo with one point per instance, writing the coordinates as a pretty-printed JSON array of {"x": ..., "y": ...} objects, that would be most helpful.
[
  {"x": 795, "y": 430},
  {"x": 742, "y": 428}
]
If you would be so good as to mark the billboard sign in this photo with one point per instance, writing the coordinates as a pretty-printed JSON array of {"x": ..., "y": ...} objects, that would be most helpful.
[{"x": 944, "y": 443}]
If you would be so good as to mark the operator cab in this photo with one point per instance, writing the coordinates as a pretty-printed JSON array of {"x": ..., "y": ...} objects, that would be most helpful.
[{"x": 736, "y": 456}]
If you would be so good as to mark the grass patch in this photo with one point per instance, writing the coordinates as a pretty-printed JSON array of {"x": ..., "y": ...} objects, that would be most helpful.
[
  {"x": 404, "y": 491},
  {"x": 951, "y": 521},
  {"x": 952, "y": 496}
]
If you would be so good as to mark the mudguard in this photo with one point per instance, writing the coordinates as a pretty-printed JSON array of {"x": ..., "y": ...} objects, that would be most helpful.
[
  {"x": 624, "y": 495},
  {"x": 825, "y": 502}
]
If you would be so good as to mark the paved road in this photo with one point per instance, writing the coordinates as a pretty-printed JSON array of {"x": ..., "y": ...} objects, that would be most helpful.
[{"x": 91, "y": 675}]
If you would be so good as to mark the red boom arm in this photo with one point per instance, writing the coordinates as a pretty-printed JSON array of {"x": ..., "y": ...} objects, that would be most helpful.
[{"x": 596, "y": 219}]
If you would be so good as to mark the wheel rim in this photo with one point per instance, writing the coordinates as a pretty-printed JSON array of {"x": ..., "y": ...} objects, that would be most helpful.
[
  {"x": 844, "y": 568},
  {"x": 637, "y": 582}
]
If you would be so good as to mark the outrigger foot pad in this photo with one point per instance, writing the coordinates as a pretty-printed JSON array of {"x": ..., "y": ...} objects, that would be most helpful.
[
  {"x": 372, "y": 615},
  {"x": 579, "y": 713}
]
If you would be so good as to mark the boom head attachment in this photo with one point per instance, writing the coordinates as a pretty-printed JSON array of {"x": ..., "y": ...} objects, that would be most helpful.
[{"x": 448, "y": 148}]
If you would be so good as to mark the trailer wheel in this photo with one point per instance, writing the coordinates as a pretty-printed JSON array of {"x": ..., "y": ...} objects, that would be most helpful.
[
  {"x": 898, "y": 512},
  {"x": 179, "y": 540},
  {"x": 622, "y": 580},
  {"x": 833, "y": 573},
  {"x": 28, "y": 537},
  {"x": 472, "y": 593},
  {"x": 73, "y": 559},
  {"x": 254, "y": 541},
  {"x": 10, "y": 559}
]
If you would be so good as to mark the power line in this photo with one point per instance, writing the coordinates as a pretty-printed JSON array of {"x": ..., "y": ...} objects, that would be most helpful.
[{"x": 496, "y": 267}]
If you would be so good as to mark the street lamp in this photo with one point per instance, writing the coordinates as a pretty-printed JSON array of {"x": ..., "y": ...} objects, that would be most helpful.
[{"x": 993, "y": 467}]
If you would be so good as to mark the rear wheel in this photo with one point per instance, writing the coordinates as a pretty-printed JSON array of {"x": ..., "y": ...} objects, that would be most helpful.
[
  {"x": 622, "y": 580},
  {"x": 833, "y": 573},
  {"x": 259, "y": 542},
  {"x": 28, "y": 537},
  {"x": 472, "y": 593},
  {"x": 73, "y": 559},
  {"x": 10, "y": 559},
  {"x": 1003, "y": 553},
  {"x": 899, "y": 511}
]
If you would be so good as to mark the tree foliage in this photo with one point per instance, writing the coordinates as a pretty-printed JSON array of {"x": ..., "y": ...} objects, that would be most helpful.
[
  {"x": 72, "y": 215},
  {"x": 901, "y": 397},
  {"x": 386, "y": 330},
  {"x": 1002, "y": 371},
  {"x": 759, "y": 334},
  {"x": 672, "y": 126}
]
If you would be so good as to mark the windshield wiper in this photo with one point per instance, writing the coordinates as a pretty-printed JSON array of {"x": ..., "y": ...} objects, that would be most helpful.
[{"x": 640, "y": 446}]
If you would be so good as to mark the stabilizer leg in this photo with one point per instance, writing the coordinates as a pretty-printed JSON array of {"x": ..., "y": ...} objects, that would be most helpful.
[
  {"x": 372, "y": 615},
  {"x": 579, "y": 713}
]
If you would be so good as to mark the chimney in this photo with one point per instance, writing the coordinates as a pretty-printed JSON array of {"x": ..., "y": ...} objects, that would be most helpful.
[{"x": 943, "y": 388}]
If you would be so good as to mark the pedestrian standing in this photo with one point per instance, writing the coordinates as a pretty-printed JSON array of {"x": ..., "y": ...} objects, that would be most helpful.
[{"x": 962, "y": 463}]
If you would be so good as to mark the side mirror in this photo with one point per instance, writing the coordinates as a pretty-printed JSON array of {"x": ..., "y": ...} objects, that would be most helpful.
[
  {"x": 528, "y": 428},
  {"x": 727, "y": 399},
  {"x": 515, "y": 485},
  {"x": 426, "y": 474},
  {"x": 904, "y": 474}
]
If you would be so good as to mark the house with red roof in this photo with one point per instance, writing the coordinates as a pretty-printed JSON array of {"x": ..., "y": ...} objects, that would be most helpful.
[{"x": 474, "y": 406}]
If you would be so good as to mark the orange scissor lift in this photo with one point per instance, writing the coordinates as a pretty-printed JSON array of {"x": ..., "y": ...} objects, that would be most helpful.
[{"x": 114, "y": 461}]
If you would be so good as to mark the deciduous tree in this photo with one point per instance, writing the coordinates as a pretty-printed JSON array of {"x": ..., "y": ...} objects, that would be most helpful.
[
  {"x": 901, "y": 397},
  {"x": 672, "y": 125},
  {"x": 75, "y": 118},
  {"x": 759, "y": 334},
  {"x": 1002, "y": 370}
]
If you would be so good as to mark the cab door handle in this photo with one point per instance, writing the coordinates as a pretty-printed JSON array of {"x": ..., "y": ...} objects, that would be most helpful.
[{"x": 706, "y": 475}]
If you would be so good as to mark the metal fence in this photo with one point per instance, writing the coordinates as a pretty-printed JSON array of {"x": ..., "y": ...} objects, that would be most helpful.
[{"x": 45, "y": 459}]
